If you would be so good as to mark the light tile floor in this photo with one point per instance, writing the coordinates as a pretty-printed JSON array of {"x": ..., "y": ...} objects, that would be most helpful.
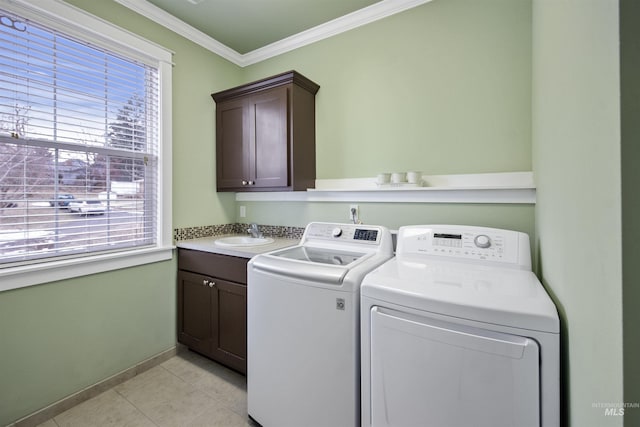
[{"x": 187, "y": 390}]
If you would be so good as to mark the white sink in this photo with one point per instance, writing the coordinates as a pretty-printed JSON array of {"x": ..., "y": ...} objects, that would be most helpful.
[{"x": 243, "y": 241}]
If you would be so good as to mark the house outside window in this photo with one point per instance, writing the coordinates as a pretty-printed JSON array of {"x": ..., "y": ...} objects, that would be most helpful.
[{"x": 84, "y": 145}]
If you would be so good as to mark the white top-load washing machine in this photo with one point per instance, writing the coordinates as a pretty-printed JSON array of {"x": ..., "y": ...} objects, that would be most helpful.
[
  {"x": 303, "y": 326},
  {"x": 458, "y": 332}
]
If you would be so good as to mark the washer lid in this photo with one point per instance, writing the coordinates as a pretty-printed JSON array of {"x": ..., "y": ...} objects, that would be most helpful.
[
  {"x": 320, "y": 255},
  {"x": 328, "y": 267},
  {"x": 499, "y": 296}
]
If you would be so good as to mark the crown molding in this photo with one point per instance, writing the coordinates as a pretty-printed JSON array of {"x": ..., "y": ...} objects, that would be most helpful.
[
  {"x": 178, "y": 26},
  {"x": 331, "y": 28},
  {"x": 339, "y": 25}
]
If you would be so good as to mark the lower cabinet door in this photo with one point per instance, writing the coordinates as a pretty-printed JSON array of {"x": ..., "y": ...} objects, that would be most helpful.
[
  {"x": 194, "y": 311},
  {"x": 229, "y": 324}
]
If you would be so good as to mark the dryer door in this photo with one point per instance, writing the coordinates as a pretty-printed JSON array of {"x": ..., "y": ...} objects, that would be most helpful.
[{"x": 433, "y": 373}]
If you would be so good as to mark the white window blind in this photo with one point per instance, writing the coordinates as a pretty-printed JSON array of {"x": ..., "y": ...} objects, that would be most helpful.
[{"x": 79, "y": 146}]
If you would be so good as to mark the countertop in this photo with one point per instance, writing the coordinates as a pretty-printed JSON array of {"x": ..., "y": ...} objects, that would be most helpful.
[{"x": 207, "y": 244}]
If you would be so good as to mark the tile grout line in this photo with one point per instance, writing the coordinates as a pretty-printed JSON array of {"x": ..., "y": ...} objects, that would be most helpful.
[
  {"x": 202, "y": 390},
  {"x": 173, "y": 375},
  {"x": 57, "y": 408},
  {"x": 221, "y": 402},
  {"x": 134, "y": 405}
]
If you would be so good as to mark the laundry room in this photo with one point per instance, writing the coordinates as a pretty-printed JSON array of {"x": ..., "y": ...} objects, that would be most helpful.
[{"x": 512, "y": 115}]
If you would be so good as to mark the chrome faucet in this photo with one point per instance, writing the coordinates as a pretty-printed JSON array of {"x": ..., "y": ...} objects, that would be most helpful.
[{"x": 254, "y": 231}]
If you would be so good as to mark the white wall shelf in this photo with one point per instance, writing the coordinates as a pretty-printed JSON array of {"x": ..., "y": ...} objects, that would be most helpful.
[{"x": 490, "y": 188}]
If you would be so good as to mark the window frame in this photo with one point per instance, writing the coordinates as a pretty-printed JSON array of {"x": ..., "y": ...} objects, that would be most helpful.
[{"x": 91, "y": 29}]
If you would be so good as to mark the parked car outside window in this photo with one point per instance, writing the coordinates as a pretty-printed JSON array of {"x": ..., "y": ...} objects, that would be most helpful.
[
  {"x": 87, "y": 207},
  {"x": 120, "y": 133},
  {"x": 61, "y": 200}
]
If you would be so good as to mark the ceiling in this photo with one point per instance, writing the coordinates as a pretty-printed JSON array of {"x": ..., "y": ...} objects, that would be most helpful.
[
  {"x": 246, "y": 25},
  {"x": 249, "y": 31}
]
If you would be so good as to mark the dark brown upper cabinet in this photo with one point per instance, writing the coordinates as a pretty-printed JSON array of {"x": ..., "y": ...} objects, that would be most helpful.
[{"x": 266, "y": 135}]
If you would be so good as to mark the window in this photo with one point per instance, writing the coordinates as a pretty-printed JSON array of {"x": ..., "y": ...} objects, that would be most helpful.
[{"x": 82, "y": 137}]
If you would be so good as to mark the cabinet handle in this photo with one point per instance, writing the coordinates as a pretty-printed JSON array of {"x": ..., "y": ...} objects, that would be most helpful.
[
  {"x": 205, "y": 282},
  {"x": 245, "y": 182},
  {"x": 251, "y": 182},
  {"x": 212, "y": 284}
]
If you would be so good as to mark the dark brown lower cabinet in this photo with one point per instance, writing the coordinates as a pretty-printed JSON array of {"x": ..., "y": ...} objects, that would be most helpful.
[{"x": 212, "y": 306}]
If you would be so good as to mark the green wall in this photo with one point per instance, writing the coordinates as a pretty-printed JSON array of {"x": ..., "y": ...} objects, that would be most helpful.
[
  {"x": 630, "y": 153},
  {"x": 392, "y": 215},
  {"x": 61, "y": 337},
  {"x": 444, "y": 88},
  {"x": 576, "y": 157},
  {"x": 58, "y": 338}
]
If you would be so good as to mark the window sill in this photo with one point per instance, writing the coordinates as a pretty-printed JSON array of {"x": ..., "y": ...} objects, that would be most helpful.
[{"x": 36, "y": 274}]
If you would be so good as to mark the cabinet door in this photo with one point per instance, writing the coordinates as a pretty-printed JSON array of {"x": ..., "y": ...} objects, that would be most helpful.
[
  {"x": 229, "y": 323},
  {"x": 232, "y": 161},
  {"x": 269, "y": 136},
  {"x": 194, "y": 311}
]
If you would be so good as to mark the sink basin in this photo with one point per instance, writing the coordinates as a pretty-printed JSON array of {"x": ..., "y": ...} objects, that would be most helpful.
[{"x": 243, "y": 241}]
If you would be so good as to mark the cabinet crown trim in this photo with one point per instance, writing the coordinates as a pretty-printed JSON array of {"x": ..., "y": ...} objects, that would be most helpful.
[{"x": 287, "y": 77}]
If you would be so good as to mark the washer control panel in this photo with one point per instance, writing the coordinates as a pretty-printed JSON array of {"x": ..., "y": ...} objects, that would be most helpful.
[
  {"x": 476, "y": 243},
  {"x": 352, "y": 233}
]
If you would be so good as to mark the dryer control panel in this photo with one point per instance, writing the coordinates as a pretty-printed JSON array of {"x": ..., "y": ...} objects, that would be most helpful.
[{"x": 466, "y": 242}]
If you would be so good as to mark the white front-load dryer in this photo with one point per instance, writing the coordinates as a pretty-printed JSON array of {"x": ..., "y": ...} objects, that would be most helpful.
[{"x": 457, "y": 331}]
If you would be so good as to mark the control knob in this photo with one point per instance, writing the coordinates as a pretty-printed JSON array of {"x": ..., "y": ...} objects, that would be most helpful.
[
  {"x": 482, "y": 241},
  {"x": 337, "y": 232}
]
